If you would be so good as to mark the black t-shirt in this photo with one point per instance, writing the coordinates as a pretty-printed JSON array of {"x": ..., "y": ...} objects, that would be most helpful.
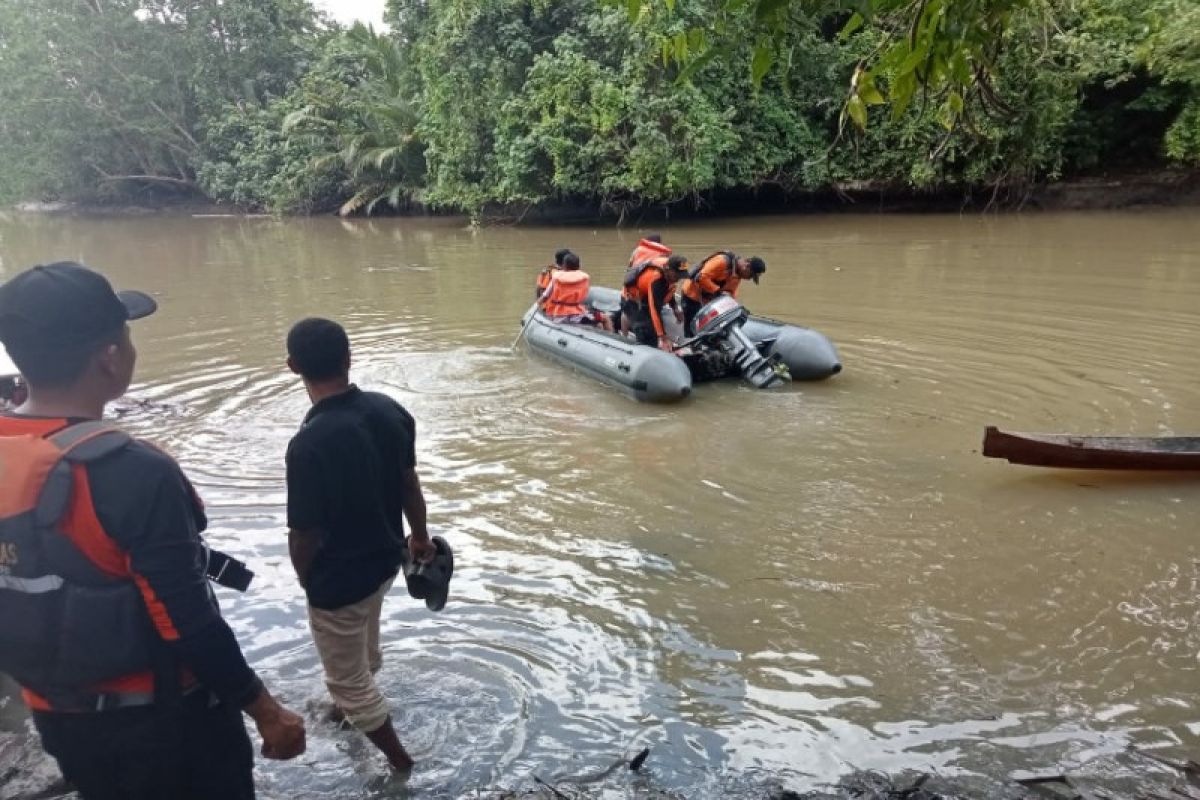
[
  {"x": 344, "y": 471},
  {"x": 147, "y": 507}
]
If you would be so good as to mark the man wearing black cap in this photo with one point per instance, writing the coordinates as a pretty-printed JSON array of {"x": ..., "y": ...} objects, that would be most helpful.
[
  {"x": 139, "y": 693},
  {"x": 720, "y": 273}
]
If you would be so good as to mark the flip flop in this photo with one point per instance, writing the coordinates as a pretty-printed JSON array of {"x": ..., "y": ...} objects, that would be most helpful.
[{"x": 431, "y": 581}]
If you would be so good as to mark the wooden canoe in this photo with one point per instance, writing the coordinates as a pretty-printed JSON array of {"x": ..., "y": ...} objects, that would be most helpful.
[{"x": 1093, "y": 452}]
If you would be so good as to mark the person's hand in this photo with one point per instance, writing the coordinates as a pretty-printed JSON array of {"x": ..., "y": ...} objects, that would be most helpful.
[
  {"x": 664, "y": 344},
  {"x": 282, "y": 731},
  {"x": 678, "y": 315},
  {"x": 422, "y": 550}
]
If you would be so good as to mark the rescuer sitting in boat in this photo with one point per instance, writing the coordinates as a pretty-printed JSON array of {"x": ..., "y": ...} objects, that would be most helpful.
[
  {"x": 647, "y": 288},
  {"x": 543, "y": 278},
  {"x": 565, "y": 298},
  {"x": 721, "y": 272},
  {"x": 649, "y": 247}
]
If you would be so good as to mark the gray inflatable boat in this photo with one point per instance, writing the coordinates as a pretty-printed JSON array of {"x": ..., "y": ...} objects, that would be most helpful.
[
  {"x": 643, "y": 373},
  {"x": 649, "y": 374}
]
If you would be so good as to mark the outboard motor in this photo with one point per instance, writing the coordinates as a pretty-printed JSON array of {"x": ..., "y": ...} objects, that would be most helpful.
[{"x": 719, "y": 325}]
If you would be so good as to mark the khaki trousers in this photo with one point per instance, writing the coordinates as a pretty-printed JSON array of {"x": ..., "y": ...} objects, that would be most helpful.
[{"x": 347, "y": 640}]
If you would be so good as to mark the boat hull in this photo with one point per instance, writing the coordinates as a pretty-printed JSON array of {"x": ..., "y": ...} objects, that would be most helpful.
[
  {"x": 1172, "y": 453},
  {"x": 643, "y": 373},
  {"x": 808, "y": 354}
]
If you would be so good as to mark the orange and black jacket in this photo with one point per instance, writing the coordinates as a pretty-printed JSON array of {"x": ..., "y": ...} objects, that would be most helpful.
[
  {"x": 135, "y": 516},
  {"x": 717, "y": 274},
  {"x": 566, "y": 294},
  {"x": 653, "y": 290}
]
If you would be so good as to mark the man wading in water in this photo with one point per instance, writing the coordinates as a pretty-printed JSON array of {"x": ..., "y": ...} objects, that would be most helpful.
[{"x": 352, "y": 479}]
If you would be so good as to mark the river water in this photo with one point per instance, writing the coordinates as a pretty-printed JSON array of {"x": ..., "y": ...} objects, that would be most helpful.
[{"x": 784, "y": 585}]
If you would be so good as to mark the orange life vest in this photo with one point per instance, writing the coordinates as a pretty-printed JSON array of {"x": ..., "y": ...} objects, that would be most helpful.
[
  {"x": 52, "y": 543},
  {"x": 716, "y": 274},
  {"x": 647, "y": 250},
  {"x": 653, "y": 273},
  {"x": 568, "y": 291},
  {"x": 632, "y": 288}
]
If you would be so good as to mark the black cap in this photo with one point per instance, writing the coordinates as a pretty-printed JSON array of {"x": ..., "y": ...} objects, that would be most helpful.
[
  {"x": 64, "y": 305},
  {"x": 757, "y": 267}
]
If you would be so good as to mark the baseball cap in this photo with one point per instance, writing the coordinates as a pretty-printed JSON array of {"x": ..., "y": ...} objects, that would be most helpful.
[
  {"x": 64, "y": 305},
  {"x": 757, "y": 267}
]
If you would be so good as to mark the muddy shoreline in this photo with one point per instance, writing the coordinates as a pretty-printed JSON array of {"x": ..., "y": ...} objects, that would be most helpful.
[{"x": 27, "y": 774}]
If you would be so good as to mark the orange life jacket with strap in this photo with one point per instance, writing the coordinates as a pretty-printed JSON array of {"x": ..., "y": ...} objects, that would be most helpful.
[
  {"x": 722, "y": 260},
  {"x": 72, "y": 618},
  {"x": 647, "y": 250},
  {"x": 633, "y": 276},
  {"x": 568, "y": 291}
]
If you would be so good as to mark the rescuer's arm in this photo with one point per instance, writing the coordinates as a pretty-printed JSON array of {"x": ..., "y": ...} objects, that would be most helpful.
[{"x": 156, "y": 521}]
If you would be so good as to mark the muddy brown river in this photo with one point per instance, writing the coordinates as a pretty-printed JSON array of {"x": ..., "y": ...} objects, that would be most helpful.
[{"x": 761, "y": 586}]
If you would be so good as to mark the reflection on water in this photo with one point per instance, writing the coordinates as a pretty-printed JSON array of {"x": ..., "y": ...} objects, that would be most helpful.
[{"x": 783, "y": 585}]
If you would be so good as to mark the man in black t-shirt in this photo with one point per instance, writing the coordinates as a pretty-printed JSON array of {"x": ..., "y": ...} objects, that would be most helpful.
[{"x": 352, "y": 480}]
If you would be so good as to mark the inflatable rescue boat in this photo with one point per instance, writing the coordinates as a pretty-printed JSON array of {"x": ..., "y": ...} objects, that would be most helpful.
[{"x": 729, "y": 342}]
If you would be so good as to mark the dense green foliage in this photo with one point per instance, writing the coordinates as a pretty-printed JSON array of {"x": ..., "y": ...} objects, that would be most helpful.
[
  {"x": 471, "y": 104},
  {"x": 114, "y": 94}
]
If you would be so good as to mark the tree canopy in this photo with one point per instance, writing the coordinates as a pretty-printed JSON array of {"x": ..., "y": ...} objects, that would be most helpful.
[{"x": 467, "y": 105}]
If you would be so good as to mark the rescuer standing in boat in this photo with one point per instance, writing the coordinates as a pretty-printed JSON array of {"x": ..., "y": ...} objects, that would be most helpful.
[
  {"x": 136, "y": 684},
  {"x": 351, "y": 480},
  {"x": 647, "y": 288}
]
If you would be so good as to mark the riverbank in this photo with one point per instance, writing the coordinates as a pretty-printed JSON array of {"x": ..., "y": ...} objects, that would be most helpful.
[
  {"x": 1162, "y": 188},
  {"x": 27, "y": 774}
]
